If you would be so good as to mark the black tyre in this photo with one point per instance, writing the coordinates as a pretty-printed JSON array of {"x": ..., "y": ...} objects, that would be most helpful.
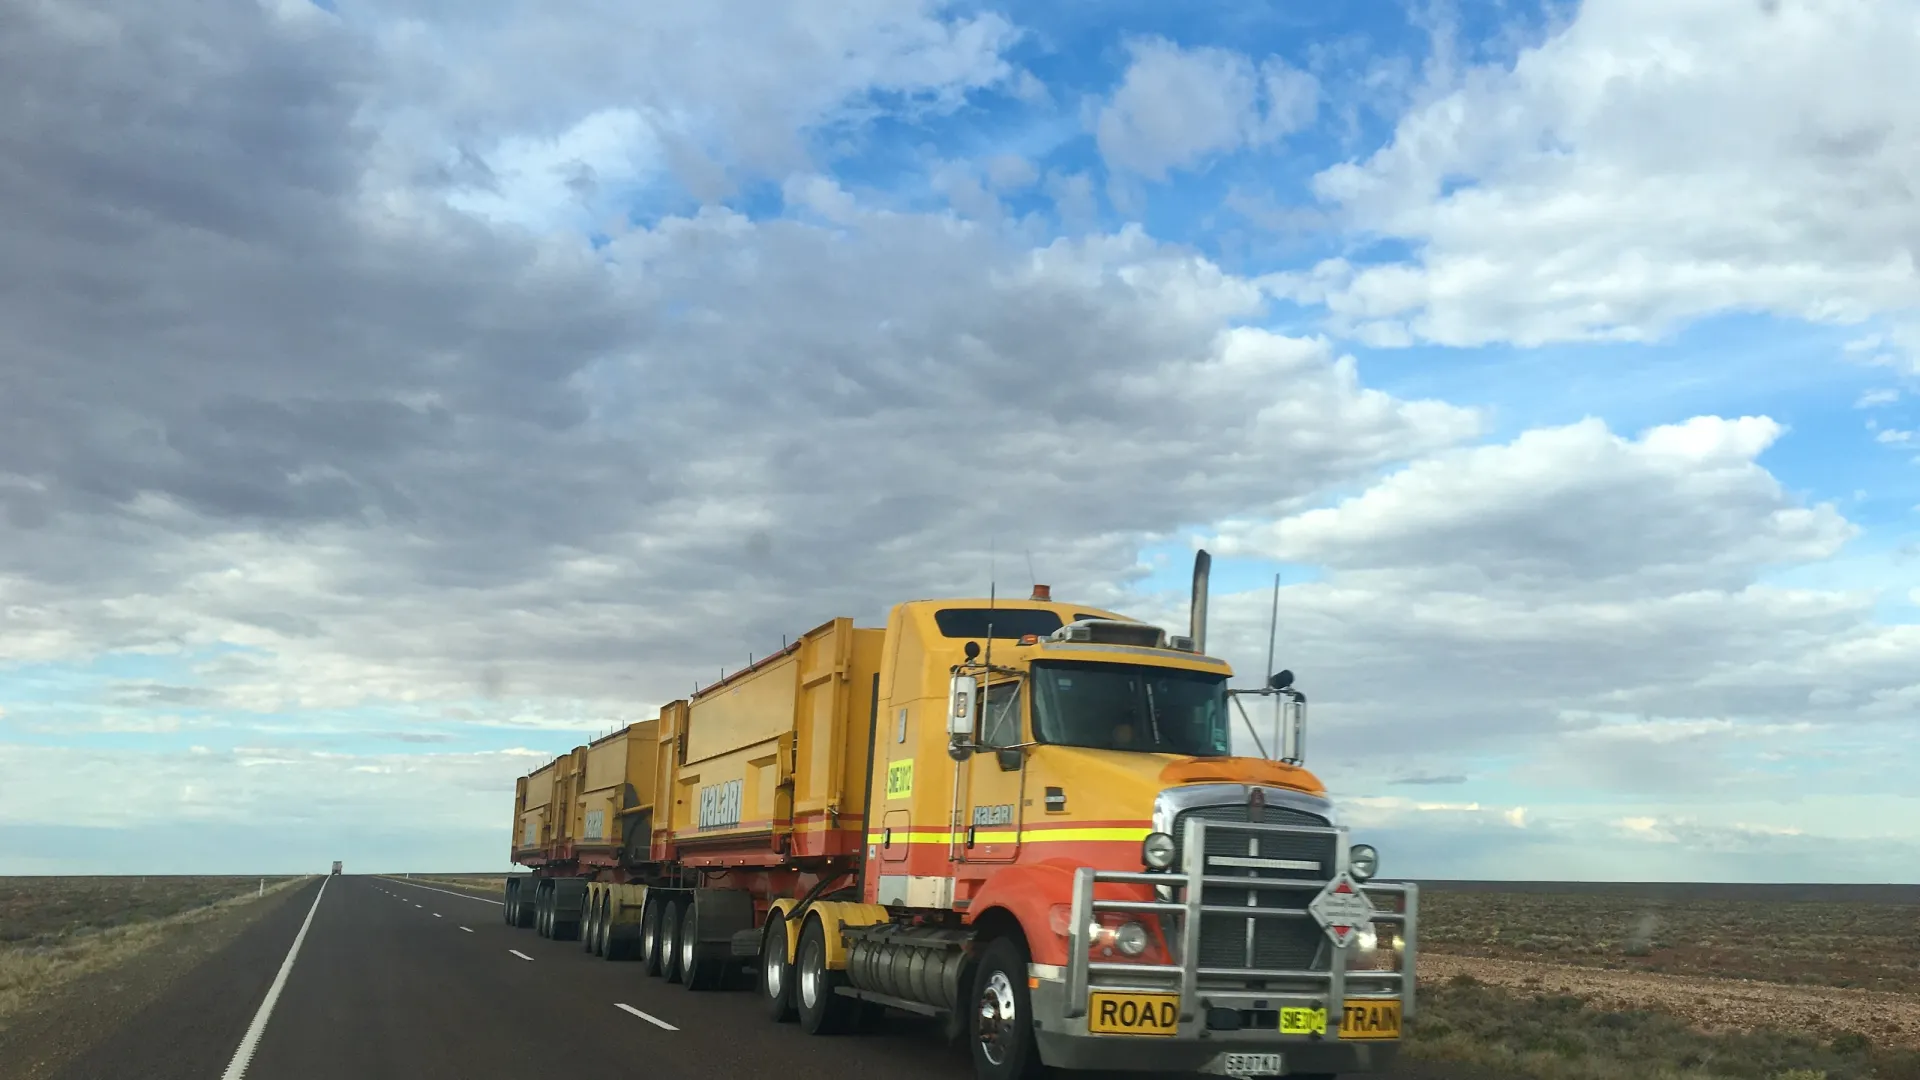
[
  {"x": 822, "y": 1011},
  {"x": 1000, "y": 1028},
  {"x": 506, "y": 909},
  {"x": 703, "y": 965},
  {"x": 670, "y": 917},
  {"x": 587, "y": 921},
  {"x": 622, "y": 940},
  {"x": 776, "y": 971},
  {"x": 543, "y": 913}
]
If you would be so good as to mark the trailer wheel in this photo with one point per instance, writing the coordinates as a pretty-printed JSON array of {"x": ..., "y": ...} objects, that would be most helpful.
[
  {"x": 543, "y": 911},
  {"x": 776, "y": 971},
  {"x": 1002, "y": 1022},
  {"x": 670, "y": 941},
  {"x": 590, "y": 924},
  {"x": 603, "y": 927},
  {"x": 703, "y": 966},
  {"x": 650, "y": 937},
  {"x": 822, "y": 1012},
  {"x": 506, "y": 908},
  {"x": 621, "y": 939},
  {"x": 523, "y": 905}
]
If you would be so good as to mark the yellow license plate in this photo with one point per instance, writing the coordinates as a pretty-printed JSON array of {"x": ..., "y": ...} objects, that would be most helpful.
[
  {"x": 1303, "y": 1021},
  {"x": 1365, "y": 1019},
  {"x": 1133, "y": 1014}
]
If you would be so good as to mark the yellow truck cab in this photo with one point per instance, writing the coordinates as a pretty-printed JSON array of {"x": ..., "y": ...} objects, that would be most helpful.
[{"x": 1139, "y": 896}]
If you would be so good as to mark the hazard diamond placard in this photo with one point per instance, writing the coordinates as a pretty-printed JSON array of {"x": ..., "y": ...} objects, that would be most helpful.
[{"x": 1342, "y": 909}]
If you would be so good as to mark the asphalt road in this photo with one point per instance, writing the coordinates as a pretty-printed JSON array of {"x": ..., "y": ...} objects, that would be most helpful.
[{"x": 399, "y": 980}]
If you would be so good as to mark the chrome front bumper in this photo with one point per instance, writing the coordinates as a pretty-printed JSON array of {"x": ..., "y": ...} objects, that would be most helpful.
[{"x": 1213, "y": 1001}]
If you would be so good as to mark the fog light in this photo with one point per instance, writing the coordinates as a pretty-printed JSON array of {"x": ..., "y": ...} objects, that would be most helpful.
[
  {"x": 1156, "y": 851},
  {"x": 1131, "y": 939}
]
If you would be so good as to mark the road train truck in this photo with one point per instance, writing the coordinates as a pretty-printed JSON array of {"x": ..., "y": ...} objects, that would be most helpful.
[{"x": 1024, "y": 817}]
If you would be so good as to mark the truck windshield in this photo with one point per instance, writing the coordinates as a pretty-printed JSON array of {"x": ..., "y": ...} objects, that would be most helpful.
[{"x": 1124, "y": 707}]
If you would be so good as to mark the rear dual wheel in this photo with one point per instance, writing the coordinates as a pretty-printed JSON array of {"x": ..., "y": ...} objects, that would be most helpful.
[
  {"x": 822, "y": 1010},
  {"x": 776, "y": 971}
]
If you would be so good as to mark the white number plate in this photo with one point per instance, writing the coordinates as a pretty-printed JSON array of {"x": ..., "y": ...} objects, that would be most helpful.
[{"x": 1250, "y": 1064}]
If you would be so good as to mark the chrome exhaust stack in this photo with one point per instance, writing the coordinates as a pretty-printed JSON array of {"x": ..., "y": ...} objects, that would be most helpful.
[{"x": 1197, "y": 610}]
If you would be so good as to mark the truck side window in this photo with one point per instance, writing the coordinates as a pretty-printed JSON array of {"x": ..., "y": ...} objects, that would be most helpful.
[{"x": 1002, "y": 721}]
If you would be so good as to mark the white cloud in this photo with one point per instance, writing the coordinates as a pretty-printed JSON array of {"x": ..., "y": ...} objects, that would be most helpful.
[
  {"x": 1575, "y": 509},
  {"x": 527, "y": 111},
  {"x": 1652, "y": 163},
  {"x": 1176, "y": 107},
  {"x": 1010, "y": 171},
  {"x": 1872, "y": 398}
]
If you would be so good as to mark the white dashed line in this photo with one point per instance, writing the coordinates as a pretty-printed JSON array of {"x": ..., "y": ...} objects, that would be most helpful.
[
  {"x": 436, "y": 914},
  {"x": 520, "y": 954},
  {"x": 416, "y": 905},
  {"x": 463, "y": 896},
  {"x": 654, "y": 1020},
  {"x": 243, "y": 1054},
  {"x": 468, "y": 931}
]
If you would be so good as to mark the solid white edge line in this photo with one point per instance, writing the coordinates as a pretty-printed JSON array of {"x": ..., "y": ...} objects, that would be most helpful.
[
  {"x": 463, "y": 896},
  {"x": 654, "y": 1020},
  {"x": 520, "y": 954},
  {"x": 243, "y": 1054}
]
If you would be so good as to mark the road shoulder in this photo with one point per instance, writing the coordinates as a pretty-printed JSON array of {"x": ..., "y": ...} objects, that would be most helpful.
[{"x": 66, "y": 1025}]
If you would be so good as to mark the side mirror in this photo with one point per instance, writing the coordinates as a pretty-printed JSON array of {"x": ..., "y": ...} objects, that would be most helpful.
[
  {"x": 1011, "y": 758},
  {"x": 960, "y": 698},
  {"x": 1281, "y": 680},
  {"x": 972, "y": 651}
]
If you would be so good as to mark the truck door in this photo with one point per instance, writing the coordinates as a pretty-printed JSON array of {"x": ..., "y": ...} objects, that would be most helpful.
[
  {"x": 992, "y": 819},
  {"x": 895, "y": 835}
]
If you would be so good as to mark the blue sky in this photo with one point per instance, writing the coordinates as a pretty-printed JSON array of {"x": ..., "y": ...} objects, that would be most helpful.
[{"x": 670, "y": 334}]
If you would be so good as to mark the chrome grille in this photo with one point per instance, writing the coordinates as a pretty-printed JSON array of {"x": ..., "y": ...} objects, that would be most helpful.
[{"x": 1269, "y": 944}]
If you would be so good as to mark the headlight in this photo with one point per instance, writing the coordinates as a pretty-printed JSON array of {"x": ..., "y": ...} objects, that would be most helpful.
[
  {"x": 1131, "y": 938},
  {"x": 1363, "y": 862},
  {"x": 1156, "y": 851}
]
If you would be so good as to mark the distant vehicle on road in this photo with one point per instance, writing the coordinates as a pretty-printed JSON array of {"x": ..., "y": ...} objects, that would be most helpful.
[
  {"x": 336, "y": 868},
  {"x": 1022, "y": 816}
]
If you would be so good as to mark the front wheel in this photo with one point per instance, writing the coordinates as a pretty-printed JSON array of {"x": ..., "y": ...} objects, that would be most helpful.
[{"x": 1002, "y": 1021}]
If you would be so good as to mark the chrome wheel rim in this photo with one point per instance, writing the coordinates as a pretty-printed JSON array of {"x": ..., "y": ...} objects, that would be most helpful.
[
  {"x": 775, "y": 966},
  {"x": 997, "y": 1018},
  {"x": 810, "y": 974},
  {"x": 687, "y": 940},
  {"x": 650, "y": 935}
]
